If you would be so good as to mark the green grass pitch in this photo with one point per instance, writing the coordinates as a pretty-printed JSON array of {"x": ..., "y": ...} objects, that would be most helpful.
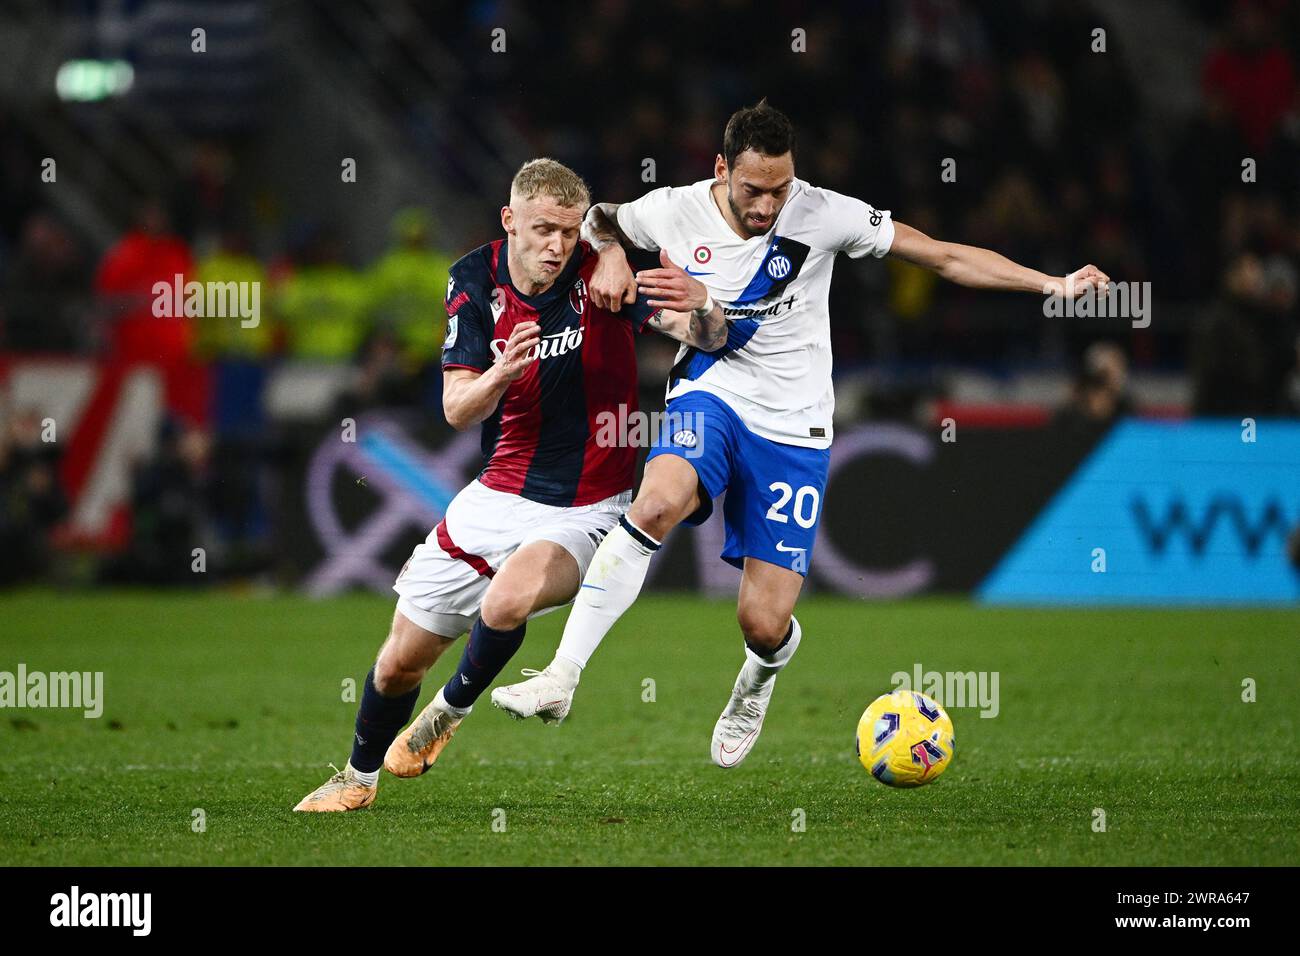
[{"x": 233, "y": 705}]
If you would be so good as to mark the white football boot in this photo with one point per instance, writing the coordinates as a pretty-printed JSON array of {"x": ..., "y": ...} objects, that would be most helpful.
[
  {"x": 547, "y": 694},
  {"x": 737, "y": 730}
]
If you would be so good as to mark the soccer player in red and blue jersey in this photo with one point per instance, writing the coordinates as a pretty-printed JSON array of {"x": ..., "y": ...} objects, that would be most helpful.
[{"x": 529, "y": 358}]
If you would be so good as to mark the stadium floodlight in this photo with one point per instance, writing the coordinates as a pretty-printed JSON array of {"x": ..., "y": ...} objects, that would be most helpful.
[{"x": 87, "y": 81}]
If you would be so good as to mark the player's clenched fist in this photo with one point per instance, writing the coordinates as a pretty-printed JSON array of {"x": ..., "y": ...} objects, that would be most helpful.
[
  {"x": 612, "y": 283},
  {"x": 1073, "y": 285},
  {"x": 520, "y": 350}
]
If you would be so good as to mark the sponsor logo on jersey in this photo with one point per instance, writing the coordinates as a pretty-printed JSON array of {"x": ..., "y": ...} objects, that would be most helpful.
[
  {"x": 455, "y": 302},
  {"x": 550, "y": 345},
  {"x": 453, "y": 324},
  {"x": 776, "y": 308}
]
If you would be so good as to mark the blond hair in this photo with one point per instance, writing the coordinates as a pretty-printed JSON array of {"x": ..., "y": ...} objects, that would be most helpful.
[{"x": 546, "y": 177}]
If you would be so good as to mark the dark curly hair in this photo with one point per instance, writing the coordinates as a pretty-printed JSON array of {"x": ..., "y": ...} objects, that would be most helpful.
[{"x": 762, "y": 128}]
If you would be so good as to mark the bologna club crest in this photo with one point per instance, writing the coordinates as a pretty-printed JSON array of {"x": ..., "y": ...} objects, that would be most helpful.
[{"x": 578, "y": 296}]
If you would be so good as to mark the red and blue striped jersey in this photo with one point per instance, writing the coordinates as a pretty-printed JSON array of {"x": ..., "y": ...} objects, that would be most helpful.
[{"x": 542, "y": 441}]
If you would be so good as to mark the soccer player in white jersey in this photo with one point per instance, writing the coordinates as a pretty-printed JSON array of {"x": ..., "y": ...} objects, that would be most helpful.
[{"x": 762, "y": 243}]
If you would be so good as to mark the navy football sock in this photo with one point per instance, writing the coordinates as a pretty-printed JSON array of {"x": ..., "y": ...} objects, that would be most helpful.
[
  {"x": 379, "y": 720},
  {"x": 486, "y": 653}
]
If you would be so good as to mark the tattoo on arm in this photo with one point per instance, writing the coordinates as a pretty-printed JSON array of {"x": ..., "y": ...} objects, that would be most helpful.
[
  {"x": 600, "y": 227},
  {"x": 711, "y": 331},
  {"x": 708, "y": 334}
]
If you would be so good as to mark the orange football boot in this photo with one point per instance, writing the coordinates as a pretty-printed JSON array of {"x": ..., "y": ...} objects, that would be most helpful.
[
  {"x": 417, "y": 747},
  {"x": 343, "y": 791}
]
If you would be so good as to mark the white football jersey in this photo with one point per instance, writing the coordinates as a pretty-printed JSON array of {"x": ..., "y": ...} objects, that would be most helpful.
[{"x": 775, "y": 370}]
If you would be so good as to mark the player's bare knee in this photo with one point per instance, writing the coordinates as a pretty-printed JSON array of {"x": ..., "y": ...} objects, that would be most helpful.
[
  {"x": 393, "y": 675},
  {"x": 655, "y": 514},
  {"x": 505, "y": 611},
  {"x": 763, "y": 630}
]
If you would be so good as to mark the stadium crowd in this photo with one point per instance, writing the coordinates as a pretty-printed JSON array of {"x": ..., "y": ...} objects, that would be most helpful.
[{"x": 1002, "y": 89}]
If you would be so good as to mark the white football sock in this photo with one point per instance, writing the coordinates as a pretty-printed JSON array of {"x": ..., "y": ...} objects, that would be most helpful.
[
  {"x": 366, "y": 779},
  {"x": 612, "y": 583},
  {"x": 441, "y": 703},
  {"x": 763, "y": 669}
]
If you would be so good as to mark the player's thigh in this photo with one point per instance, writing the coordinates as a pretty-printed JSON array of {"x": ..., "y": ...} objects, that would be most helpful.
[
  {"x": 407, "y": 654},
  {"x": 768, "y": 593},
  {"x": 691, "y": 461},
  {"x": 670, "y": 492},
  {"x": 540, "y": 574},
  {"x": 442, "y": 585}
]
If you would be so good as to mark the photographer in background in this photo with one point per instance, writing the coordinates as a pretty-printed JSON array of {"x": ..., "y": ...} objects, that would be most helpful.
[
  {"x": 1099, "y": 394},
  {"x": 31, "y": 501}
]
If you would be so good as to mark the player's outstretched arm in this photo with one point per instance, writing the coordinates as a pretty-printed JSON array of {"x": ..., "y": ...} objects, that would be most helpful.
[
  {"x": 689, "y": 313},
  {"x": 985, "y": 269},
  {"x": 469, "y": 396}
]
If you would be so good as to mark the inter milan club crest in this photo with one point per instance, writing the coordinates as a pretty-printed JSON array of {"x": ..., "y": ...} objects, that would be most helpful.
[
  {"x": 578, "y": 296},
  {"x": 778, "y": 267}
]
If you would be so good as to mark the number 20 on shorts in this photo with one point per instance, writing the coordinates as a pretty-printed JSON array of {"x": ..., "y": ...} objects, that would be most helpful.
[{"x": 806, "y": 501}]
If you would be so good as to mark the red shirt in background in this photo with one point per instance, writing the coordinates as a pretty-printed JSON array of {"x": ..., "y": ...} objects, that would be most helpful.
[
  {"x": 1259, "y": 88},
  {"x": 125, "y": 282}
]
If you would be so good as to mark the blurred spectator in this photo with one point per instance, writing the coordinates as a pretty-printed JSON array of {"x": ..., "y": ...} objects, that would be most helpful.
[
  {"x": 19, "y": 159},
  {"x": 1252, "y": 74},
  {"x": 1245, "y": 348},
  {"x": 407, "y": 286},
  {"x": 382, "y": 378},
  {"x": 171, "y": 509},
  {"x": 147, "y": 328},
  {"x": 227, "y": 336},
  {"x": 146, "y": 254},
  {"x": 204, "y": 199},
  {"x": 31, "y": 500},
  {"x": 238, "y": 356},
  {"x": 1099, "y": 394},
  {"x": 45, "y": 306},
  {"x": 323, "y": 303}
]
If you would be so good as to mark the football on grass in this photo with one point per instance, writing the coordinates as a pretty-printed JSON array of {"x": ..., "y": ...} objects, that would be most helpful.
[{"x": 905, "y": 739}]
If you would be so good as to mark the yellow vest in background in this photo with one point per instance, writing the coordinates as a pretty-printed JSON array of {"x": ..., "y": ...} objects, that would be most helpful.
[
  {"x": 407, "y": 288},
  {"x": 324, "y": 308}
]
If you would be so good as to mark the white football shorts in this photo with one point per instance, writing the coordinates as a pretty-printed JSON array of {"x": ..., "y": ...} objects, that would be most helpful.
[{"x": 442, "y": 584}]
